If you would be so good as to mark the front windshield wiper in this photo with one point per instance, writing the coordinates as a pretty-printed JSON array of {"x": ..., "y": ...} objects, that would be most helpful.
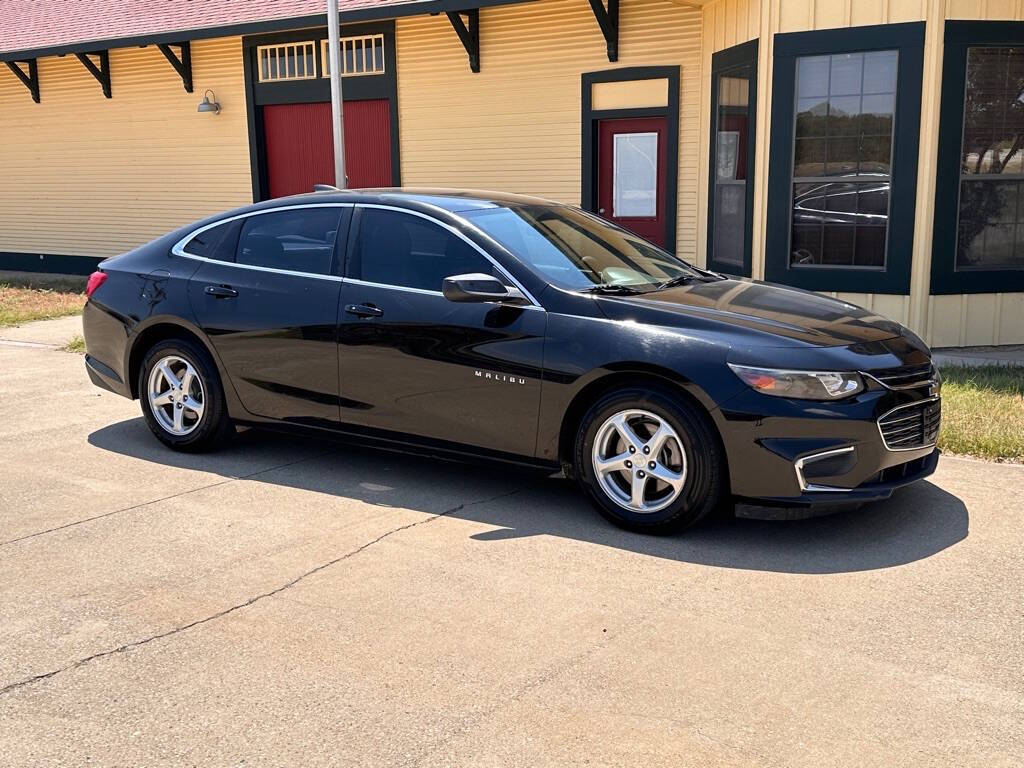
[
  {"x": 678, "y": 280},
  {"x": 612, "y": 289}
]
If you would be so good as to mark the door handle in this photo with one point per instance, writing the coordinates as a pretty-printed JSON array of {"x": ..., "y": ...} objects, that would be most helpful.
[
  {"x": 220, "y": 291},
  {"x": 364, "y": 310}
]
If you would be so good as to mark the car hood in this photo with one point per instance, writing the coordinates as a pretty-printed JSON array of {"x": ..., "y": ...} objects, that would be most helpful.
[{"x": 791, "y": 315}]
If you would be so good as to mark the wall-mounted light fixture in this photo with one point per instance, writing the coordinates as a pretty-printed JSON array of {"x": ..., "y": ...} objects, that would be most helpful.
[{"x": 206, "y": 105}]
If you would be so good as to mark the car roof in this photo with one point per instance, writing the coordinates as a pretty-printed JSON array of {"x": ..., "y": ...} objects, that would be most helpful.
[{"x": 451, "y": 200}]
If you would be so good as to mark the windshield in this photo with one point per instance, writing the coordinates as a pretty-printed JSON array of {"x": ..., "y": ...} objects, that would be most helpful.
[{"x": 577, "y": 250}]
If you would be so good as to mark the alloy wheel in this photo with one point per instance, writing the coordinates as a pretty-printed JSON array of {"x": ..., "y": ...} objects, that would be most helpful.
[
  {"x": 639, "y": 461},
  {"x": 176, "y": 395}
]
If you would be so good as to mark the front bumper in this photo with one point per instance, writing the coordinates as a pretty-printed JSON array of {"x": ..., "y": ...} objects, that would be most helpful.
[
  {"x": 816, "y": 457},
  {"x": 817, "y": 503}
]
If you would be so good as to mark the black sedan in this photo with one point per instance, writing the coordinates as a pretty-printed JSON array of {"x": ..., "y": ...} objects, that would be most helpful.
[{"x": 521, "y": 330}]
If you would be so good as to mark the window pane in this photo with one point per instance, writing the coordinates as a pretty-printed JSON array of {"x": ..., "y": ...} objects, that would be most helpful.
[
  {"x": 811, "y": 116},
  {"x": 812, "y": 76},
  {"x": 635, "y": 180},
  {"x": 730, "y": 222},
  {"x": 217, "y": 242},
  {"x": 403, "y": 250},
  {"x": 991, "y": 231},
  {"x": 843, "y": 223},
  {"x": 845, "y": 76},
  {"x": 880, "y": 68},
  {"x": 994, "y": 111},
  {"x": 301, "y": 240}
]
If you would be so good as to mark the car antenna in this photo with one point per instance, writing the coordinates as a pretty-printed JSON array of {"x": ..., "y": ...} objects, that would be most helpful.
[{"x": 325, "y": 188}]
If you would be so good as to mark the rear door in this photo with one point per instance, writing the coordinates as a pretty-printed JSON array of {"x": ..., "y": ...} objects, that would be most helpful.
[
  {"x": 271, "y": 311},
  {"x": 414, "y": 362}
]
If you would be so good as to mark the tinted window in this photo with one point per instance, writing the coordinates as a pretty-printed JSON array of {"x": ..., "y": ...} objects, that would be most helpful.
[
  {"x": 401, "y": 249},
  {"x": 217, "y": 242},
  {"x": 299, "y": 239}
]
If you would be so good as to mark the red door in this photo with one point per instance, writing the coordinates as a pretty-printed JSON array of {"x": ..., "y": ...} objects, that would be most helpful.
[
  {"x": 300, "y": 149},
  {"x": 632, "y": 164}
]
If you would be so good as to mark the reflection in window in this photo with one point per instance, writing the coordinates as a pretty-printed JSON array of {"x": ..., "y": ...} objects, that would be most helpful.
[
  {"x": 635, "y": 180},
  {"x": 732, "y": 120},
  {"x": 400, "y": 249},
  {"x": 845, "y": 109},
  {"x": 297, "y": 239},
  {"x": 991, "y": 221}
]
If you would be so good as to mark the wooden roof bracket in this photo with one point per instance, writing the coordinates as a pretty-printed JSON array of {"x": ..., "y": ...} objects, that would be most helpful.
[
  {"x": 469, "y": 33},
  {"x": 30, "y": 79},
  {"x": 608, "y": 20},
  {"x": 182, "y": 62},
  {"x": 101, "y": 72}
]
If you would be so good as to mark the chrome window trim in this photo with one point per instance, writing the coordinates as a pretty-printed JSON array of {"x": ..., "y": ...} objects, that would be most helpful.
[
  {"x": 923, "y": 401},
  {"x": 799, "y": 464},
  {"x": 462, "y": 237},
  {"x": 178, "y": 249},
  {"x": 407, "y": 289}
]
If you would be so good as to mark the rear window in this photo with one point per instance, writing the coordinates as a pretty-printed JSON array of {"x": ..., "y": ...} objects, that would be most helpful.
[{"x": 216, "y": 242}]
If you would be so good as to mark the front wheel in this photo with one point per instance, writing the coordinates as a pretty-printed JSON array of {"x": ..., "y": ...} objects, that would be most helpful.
[
  {"x": 649, "y": 460},
  {"x": 182, "y": 399}
]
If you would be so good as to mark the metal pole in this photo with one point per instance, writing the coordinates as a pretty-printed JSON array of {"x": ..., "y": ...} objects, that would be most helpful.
[{"x": 337, "y": 104}]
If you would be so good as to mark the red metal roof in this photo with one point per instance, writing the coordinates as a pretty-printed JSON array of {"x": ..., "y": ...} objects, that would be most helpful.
[{"x": 31, "y": 25}]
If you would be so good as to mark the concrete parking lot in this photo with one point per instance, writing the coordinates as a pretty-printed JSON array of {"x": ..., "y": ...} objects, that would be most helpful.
[{"x": 299, "y": 602}]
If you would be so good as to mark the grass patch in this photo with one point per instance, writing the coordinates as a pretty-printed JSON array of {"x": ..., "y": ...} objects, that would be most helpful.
[
  {"x": 76, "y": 345},
  {"x": 23, "y": 301},
  {"x": 983, "y": 412}
]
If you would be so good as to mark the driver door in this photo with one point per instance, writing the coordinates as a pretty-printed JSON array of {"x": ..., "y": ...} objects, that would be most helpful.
[{"x": 413, "y": 362}]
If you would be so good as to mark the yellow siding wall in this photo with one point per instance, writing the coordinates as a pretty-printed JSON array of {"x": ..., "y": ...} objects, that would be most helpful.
[
  {"x": 942, "y": 320},
  {"x": 89, "y": 176},
  {"x": 515, "y": 126}
]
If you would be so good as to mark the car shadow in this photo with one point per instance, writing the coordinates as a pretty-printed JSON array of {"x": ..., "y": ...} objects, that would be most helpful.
[{"x": 917, "y": 522}]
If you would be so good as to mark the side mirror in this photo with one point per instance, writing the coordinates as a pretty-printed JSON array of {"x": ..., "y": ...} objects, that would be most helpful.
[{"x": 478, "y": 287}]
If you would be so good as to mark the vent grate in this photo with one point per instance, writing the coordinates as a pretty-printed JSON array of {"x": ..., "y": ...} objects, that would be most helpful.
[{"x": 911, "y": 426}]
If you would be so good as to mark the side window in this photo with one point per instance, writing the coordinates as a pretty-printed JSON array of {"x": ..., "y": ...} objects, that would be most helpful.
[
  {"x": 401, "y": 249},
  {"x": 217, "y": 242},
  {"x": 298, "y": 239}
]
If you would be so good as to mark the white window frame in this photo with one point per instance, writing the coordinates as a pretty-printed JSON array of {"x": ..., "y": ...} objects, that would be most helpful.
[
  {"x": 367, "y": 49},
  {"x": 304, "y": 50}
]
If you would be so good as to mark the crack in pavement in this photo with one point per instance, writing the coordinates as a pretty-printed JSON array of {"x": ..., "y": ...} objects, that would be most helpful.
[
  {"x": 256, "y": 598},
  {"x": 163, "y": 498}
]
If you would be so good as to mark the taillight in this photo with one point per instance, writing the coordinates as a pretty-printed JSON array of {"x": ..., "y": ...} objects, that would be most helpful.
[{"x": 96, "y": 279}]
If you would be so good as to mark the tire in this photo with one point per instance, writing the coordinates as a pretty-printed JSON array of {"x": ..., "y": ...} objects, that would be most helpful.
[
  {"x": 691, "y": 458},
  {"x": 199, "y": 431}
]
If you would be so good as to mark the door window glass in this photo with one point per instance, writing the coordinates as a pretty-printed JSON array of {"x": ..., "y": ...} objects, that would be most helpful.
[
  {"x": 400, "y": 249},
  {"x": 635, "y": 179},
  {"x": 296, "y": 239},
  {"x": 845, "y": 108},
  {"x": 216, "y": 242},
  {"x": 991, "y": 214}
]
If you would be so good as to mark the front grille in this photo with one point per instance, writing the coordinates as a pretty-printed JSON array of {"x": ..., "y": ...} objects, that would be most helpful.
[
  {"x": 905, "y": 377},
  {"x": 911, "y": 426}
]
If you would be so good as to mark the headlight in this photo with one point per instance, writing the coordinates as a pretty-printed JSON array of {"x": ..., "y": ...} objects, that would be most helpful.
[{"x": 803, "y": 385}]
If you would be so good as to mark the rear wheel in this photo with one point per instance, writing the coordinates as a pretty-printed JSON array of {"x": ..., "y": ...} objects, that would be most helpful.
[
  {"x": 649, "y": 460},
  {"x": 181, "y": 395}
]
